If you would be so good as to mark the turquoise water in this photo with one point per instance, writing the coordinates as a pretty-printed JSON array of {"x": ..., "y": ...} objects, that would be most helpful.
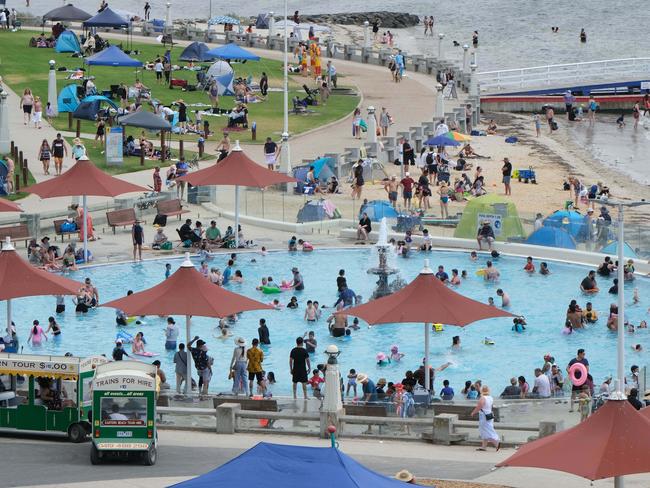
[{"x": 542, "y": 299}]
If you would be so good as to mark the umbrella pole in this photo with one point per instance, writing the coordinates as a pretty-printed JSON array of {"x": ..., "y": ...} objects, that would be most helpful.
[
  {"x": 427, "y": 374},
  {"x": 236, "y": 216},
  {"x": 188, "y": 372},
  {"x": 85, "y": 226},
  {"x": 9, "y": 317}
]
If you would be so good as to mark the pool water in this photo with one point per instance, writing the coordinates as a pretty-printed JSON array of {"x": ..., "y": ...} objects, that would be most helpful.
[{"x": 542, "y": 299}]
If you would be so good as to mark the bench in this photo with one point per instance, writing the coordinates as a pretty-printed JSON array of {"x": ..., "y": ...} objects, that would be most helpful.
[
  {"x": 370, "y": 410},
  {"x": 121, "y": 218},
  {"x": 265, "y": 405},
  {"x": 171, "y": 207},
  {"x": 463, "y": 411},
  {"x": 18, "y": 232},
  {"x": 59, "y": 232}
]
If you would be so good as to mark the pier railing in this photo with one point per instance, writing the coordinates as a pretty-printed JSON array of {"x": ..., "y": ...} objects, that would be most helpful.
[{"x": 589, "y": 71}]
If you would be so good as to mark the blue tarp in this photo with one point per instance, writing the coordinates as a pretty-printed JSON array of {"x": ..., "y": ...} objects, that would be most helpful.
[
  {"x": 67, "y": 43},
  {"x": 232, "y": 51},
  {"x": 441, "y": 141},
  {"x": 67, "y": 100},
  {"x": 106, "y": 18},
  {"x": 112, "y": 56},
  {"x": 196, "y": 52},
  {"x": 612, "y": 249},
  {"x": 276, "y": 465},
  {"x": 551, "y": 237},
  {"x": 378, "y": 209},
  {"x": 573, "y": 222}
]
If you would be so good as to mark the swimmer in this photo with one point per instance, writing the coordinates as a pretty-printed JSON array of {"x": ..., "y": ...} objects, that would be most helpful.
[
  {"x": 138, "y": 344},
  {"x": 319, "y": 312},
  {"x": 505, "y": 299},
  {"x": 262, "y": 284},
  {"x": 276, "y": 304},
  {"x": 395, "y": 355},
  {"x": 263, "y": 251},
  {"x": 473, "y": 256},
  {"x": 519, "y": 324},
  {"x": 543, "y": 269},
  {"x": 205, "y": 270},
  {"x": 225, "y": 334},
  {"x": 306, "y": 246},
  {"x": 168, "y": 270},
  {"x": 293, "y": 303},
  {"x": 495, "y": 254},
  {"x": 455, "y": 279},
  {"x": 463, "y": 274},
  {"x": 643, "y": 325},
  {"x": 630, "y": 328},
  {"x": 529, "y": 267},
  {"x": 382, "y": 359},
  {"x": 355, "y": 324},
  {"x": 568, "y": 329},
  {"x": 491, "y": 273},
  {"x": 589, "y": 314},
  {"x": 491, "y": 301},
  {"x": 637, "y": 348},
  {"x": 635, "y": 296},
  {"x": 293, "y": 244},
  {"x": 455, "y": 342}
]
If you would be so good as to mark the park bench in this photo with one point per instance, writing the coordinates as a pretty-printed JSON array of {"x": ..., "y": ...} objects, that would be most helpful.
[
  {"x": 171, "y": 207},
  {"x": 369, "y": 410},
  {"x": 18, "y": 232},
  {"x": 265, "y": 405},
  {"x": 463, "y": 411},
  {"x": 121, "y": 218},
  {"x": 60, "y": 232}
]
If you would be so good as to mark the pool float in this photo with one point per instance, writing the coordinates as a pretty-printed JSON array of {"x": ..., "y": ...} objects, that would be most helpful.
[
  {"x": 125, "y": 337},
  {"x": 488, "y": 342},
  {"x": 480, "y": 272},
  {"x": 438, "y": 327},
  {"x": 578, "y": 368},
  {"x": 146, "y": 354},
  {"x": 267, "y": 290}
]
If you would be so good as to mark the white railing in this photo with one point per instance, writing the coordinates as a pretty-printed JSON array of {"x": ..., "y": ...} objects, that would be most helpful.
[{"x": 590, "y": 71}]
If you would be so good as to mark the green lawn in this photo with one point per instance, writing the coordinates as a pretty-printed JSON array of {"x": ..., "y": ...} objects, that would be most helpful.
[{"x": 22, "y": 66}]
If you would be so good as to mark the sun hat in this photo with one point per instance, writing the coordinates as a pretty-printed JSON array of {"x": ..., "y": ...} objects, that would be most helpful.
[
  {"x": 118, "y": 341},
  {"x": 381, "y": 356},
  {"x": 240, "y": 341},
  {"x": 404, "y": 476},
  {"x": 76, "y": 141},
  {"x": 361, "y": 377}
]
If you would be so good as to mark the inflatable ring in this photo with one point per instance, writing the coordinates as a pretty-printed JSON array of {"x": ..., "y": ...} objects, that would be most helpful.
[
  {"x": 267, "y": 290},
  {"x": 488, "y": 342},
  {"x": 480, "y": 272},
  {"x": 438, "y": 327},
  {"x": 130, "y": 319},
  {"x": 575, "y": 368}
]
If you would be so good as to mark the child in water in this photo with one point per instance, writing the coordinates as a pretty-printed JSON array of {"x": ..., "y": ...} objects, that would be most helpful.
[
  {"x": 352, "y": 383},
  {"x": 519, "y": 324},
  {"x": 395, "y": 355}
]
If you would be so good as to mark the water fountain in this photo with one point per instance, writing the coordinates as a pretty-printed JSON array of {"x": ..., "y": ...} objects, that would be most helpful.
[{"x": 384, "y": 270}]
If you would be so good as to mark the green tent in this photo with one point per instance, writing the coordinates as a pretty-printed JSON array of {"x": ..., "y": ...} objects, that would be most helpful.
[{"x": 499, "y": 210}]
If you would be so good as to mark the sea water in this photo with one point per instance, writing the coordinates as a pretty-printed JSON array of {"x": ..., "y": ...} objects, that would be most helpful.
[{"x": 543, "y": 300}]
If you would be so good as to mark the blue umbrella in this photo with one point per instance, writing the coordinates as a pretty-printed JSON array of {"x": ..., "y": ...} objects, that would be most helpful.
[
  {"x": 223, "y": 19},
  {"x": 441, "y": 141}
]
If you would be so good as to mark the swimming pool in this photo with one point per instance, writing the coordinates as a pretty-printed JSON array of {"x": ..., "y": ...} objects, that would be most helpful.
[{"x": 542, "y": 299}]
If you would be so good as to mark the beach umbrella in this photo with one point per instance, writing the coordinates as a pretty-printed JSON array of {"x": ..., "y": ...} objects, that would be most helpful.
[
  {"x": 186, "y": 292},
  {"x": 425, "y": 300},
  {"x": 20, "y": 279},
  {"x": 612, "y": 442},
  {"x": 441, "y": 140},
  {"x": 223, "y": 19},
  {"x": 236, "y": 170},
  {"x": 9, "y": 206},
  {"x": 84, "y": 179},
  {"x": 67, "y": 12},
  {"x": 457, "y": 136}
]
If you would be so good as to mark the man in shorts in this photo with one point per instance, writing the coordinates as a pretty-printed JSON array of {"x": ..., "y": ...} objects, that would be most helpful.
[
  {"x": 506, "y": 171},
  {"x": 407, "y": 192},
  {"x": 391, "y": 186},
  {"x": 299, "y": 365},
  {"x": 59, "y": 150},
  {"x": 255, "y": 357},
  {"x": 271, "y": 151}
]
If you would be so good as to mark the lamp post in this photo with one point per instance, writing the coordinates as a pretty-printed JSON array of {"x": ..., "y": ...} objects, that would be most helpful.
[
  {"x": 168, "y": 18},
  {"x": 271, "y": 25},
  {"x": 51, "y": 89},
  {"x": 366, "y": 34},
  {"x": 5, "y": 137},
  {"x": 372, "y": 125},
  {"x": 465, "y": 58},
  {"x": 285, "y": 163},
  {"x": 440, "y": 102},
  {"x": 441, "y": 36},
  {"x": 473, "y": 80}
]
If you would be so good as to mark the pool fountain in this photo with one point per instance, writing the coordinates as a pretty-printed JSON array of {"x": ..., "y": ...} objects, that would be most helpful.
[{"x": 383, "y": 271}]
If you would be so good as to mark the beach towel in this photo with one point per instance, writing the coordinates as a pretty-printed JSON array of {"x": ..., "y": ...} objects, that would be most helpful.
[{"x": 511, "y": 140}]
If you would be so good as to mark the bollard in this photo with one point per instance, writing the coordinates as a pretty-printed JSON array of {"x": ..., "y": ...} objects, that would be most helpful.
[
  {"x": 254, "y": 131},
  {"x": 206, "y": 129},
  {"x": 78, "y": 128},
  {"x": 141, "y": 156},
  {"x": 13, "y": 148},
  {"x": 69, "y": 120},
  {"x": 201, "y": 145},
  {"x": 19, "y": 160},
  {"x": 180, "y": 148},
  {"x": 162, "y": 146},
  {"x": 25, "y": 174},
  {"x": 17, "y": 184}
]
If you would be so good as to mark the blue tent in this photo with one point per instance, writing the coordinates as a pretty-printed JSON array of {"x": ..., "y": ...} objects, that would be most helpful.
[
  {"x": 612, "y": 249},
  {"x": 90, "y": 107},
  {"x": 441, "y": 141},
  {"x": 112, "y": 56},
  {"x": 232, "y": 51},
  {"x": 67, "y": 43},
  {"x": 272, "y": 465},
  {"x": 196, "y": 52},
  {"x": 551, "y": 237},
  {"x": 323, "y": 168},
  {"x": 106, "y": 18},
  {"x": 573, "y": 222},
  {"x": 68, "y": 100},
  {"x": 378, "y": 209}
]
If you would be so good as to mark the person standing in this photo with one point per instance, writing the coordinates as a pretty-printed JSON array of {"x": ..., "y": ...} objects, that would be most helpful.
[
  {"x": 271, "y": 151},
  {"x": 407, "y": 189},
  {"x": 238, "y": 367},
  {"x": 147, "y": 10},
  {"x": 137, "y": 235},
  {"x": 580, "y": 358},
  {"x": 486, "y": 420},
  {"x": 38, "y": 113},
  {"x": 299, "y": 365},
  {"x": 591, "y": 110},
  {"x": 506, "y": 171},
  {"x": 44, "y": 155},
  {"x": 331, "y": 74},
  {"x": 255, "y": 357},
  {"x": 264, "y": 84},
  {"x": 263, "y": 333},
  {"x": 636, "y": 114},
  {"x": 569, "y": 100},
  {"x": 550, "y": 115},
  {"x": 180, "y": 360},
  {"x": 167, "y": 70},
  {"x": 384, "y": 121},
  {"x": 27, "y": 104},
  {"x": 171, "y": 334},
  {"x": 202, "y": 363},
  {"x": 157, "y": 180},
  {"x": 159, "y": 68},
  {"x": 468, "y": 118},
  {"x": 408, "y": 155}
]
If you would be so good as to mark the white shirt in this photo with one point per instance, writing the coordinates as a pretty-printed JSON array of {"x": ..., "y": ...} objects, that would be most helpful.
[
  {"x": 539, "y": 223},
  {"x": 158, "y": 67},
  {"x": 441, "y": 129},
  {"x": 543, "y": 386}
]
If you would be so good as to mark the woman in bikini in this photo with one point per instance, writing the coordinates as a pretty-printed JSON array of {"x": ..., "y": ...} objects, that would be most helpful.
[{"x": 444, "y": 191}]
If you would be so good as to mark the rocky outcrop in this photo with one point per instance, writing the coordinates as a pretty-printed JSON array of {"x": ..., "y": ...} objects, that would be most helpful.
[{"x": 387, "y": 20}]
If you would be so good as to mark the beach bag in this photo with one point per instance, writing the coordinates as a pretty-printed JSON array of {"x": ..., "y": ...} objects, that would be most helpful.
[
  {"x": 363, "y": 125},
  {"x": 511, "y": 139},
  {"x": 554, "y": 125},
  {"x": 166, "y": 246},
  {"x": 68, "y": 227}
]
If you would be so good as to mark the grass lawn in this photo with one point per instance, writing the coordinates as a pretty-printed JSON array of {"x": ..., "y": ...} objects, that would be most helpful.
[{"x": 22, "y": 66}]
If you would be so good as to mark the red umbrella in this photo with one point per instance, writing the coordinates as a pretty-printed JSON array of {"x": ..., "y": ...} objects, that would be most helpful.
[
  {"x": 426, "y": 299},
  {"x": 20, "y": 279},
  {"x": 186, "y": 292},
  {"x": 9, "y": 206},
  {"x": 239, "y": 170},
  {"x": 614, "y": 441},
  {"x": 84, "y": 178}
]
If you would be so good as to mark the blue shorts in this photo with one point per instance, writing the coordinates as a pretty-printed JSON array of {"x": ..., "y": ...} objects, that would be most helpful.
[
  {"x": 170, "y": 345},
  {"x": 408, "y": 194},
  {"x": 506, "y": 180}
]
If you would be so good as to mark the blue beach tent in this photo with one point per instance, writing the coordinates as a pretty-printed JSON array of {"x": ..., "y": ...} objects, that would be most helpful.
[
  {"x": 232, "y": 51},
  {"x": 612, "y": 249},
  {"x": 68, "y": 42},
  {"x": 90, "y": 107},
  {"x": 68, "y": 100},
  {"x": 323, "y": 168},
  {"x": 573, "y": 222},
  {"x": 112, "y": 56},
  {"x": 197, "y": 51},
  {"x": 106, "y": 18},
  {"x": 276, "y": 465},
  {"x": 378, "y": 209},
  {"x": 551, "y": 237}
]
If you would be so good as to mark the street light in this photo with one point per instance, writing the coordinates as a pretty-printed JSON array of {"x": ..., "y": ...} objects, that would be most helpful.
[
  {"x": 332, "y": 402},
  {"x": 285, "y": 163},
  {"x": 441, "y": 36}
]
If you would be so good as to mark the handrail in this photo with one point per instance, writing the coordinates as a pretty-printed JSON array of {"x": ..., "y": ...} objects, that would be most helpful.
[{"x": 561, "y": 65}]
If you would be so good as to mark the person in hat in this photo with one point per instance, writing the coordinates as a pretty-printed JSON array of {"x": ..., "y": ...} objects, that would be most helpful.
[
  {"x": 78, "y": 149},
  {"x": 118, "y": 351},
  {"x": 137, "y": 236},
  {"x": 368, "y": 387},
  {"x": 239, "y": 367},
  {"x": 406, "y": 477},
  {"x": 297, "y": 283},
  {"x": 485, "y": 234},
  {"x": 202, "y": 362}
]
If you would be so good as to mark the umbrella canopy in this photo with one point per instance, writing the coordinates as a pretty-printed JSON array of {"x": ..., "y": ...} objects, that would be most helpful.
[
  {"x": 112, "y": 56},
  {"x": 19, "y": 279},
  {"x": 223, "y": 19},
  {"x": 9, "y": 206},
  {"x": 84, "y": 178},
  {"x": 614, "y": 441},
  {"x": 281, "y": 465},
  {"x": 441, "y": 140},
  {"x": 67, "y": 12},
  {"x": 237, "y": 169},
  {"x": 232, "y": 51},
  {"x": 145, "y": 120},
  {"x": 457, "y": 136},
  {"x": 107, "y": 18}
]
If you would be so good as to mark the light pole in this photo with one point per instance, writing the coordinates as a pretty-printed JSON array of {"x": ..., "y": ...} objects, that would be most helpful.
[
  {"x": 465, "y": 58},
  {"x": 285, "y": 163},
  {"x": 168, "y": 18},
  {"x": 5, "y": 137},
  {"x": 372, "y": 125},
  {"x": 441, "y": 36},
  {"x": 51, "y": 89},
  {"x": 440, "y": 102}
]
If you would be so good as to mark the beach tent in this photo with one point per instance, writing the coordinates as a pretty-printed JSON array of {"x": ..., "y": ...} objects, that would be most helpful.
[
  {"x": 498, "y": 210},
  {"x": 268, "y": 465},
  {"x": 231, "y": 52},
  {"x": 196, "y": 52},
  {"x": 573, "y": 222},
  {"x": 315, "y": 210},
  {"x": 68, "y": 42},
  {"x": 377, "y": 210},
  {"x": 223, "y": 74},
  {"x": 551, "y": 237},
  {"x": 612, "y": 248},
  {"x": 67, "y": 12},
  {"x": 324, "y": 168},
  {"x": 68, "y": 100},
  {"x": 106, "y": 18},
  {"x": 112, "y": 56},
  {"x": 90, "y": 107},
  {"x": 262, "y": 21}
]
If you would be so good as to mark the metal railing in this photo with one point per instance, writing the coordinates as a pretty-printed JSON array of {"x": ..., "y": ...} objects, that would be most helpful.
[{"x": 589, "y": 71}]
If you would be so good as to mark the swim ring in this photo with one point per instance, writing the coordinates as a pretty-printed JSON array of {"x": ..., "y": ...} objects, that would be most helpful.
[
  {"x": 480, "y": 272},
  {"x": 438, "y": 327},
  {"x": 267, "y": 290},
  {"x": 578, "y": 368}
]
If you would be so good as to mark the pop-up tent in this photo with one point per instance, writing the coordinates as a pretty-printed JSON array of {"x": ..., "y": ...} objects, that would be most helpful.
[
  {"x": 571, "y": 221},
  {"x": 612, "y": 248},
  {"x": 68, "y": 100},
  {"x": 315, "y": 210},
  {"x": 551, "y": 237},
  {"x": 145, "y": 120},
  {"x": 262, "y": 21},
  {"x": 90, "y": 107},
  {"x": 499, "y": 211},
  {"x": 377, "y": 210},
  {"x": 112, "y": 56},
  {"x": 197, "y": 51},
  {"x": 233, "y": 52},
  {"x": 106, "y": 18},
  {"x": 223, "y": 74},
  {"x": 68, "y": 42}
]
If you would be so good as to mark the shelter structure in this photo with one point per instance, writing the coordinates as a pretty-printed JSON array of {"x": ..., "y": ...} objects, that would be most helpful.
[
  {"x": 233, "y": 52},
  {"x": 196, "y": 52},
  {"x": 113, "y": 56},
  {"x": 498, "y": 210},
  {"x": 68, "y": 13},
  {"x": 107, "y": 18}
]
